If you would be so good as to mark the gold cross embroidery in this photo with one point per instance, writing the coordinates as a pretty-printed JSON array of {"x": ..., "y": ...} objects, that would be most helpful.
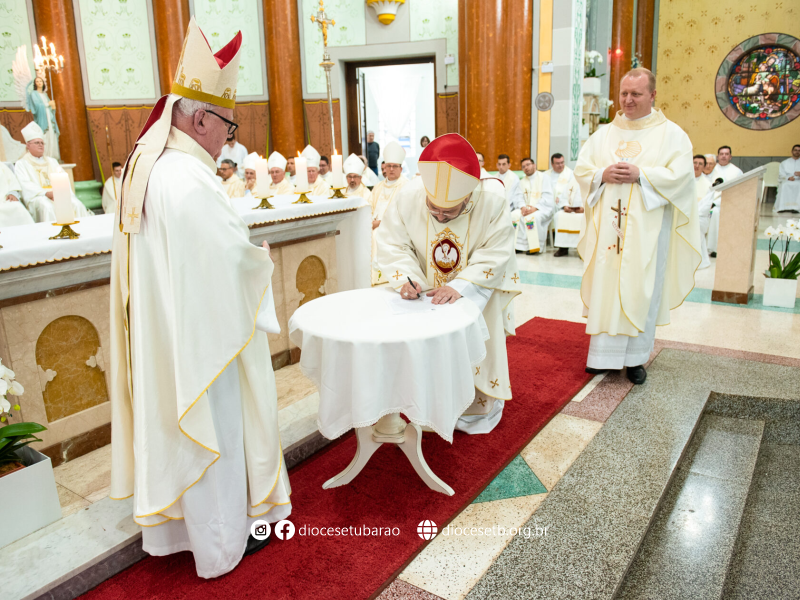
[
  {"x": 132, "y": 214},
  {"x": 477, "y": 370},
  {"x": 515, "y": 278},
  {"x": 397, "y": 275},
  {"x": 494, "y": 383},
  {"x": 482, "y": 401},
  {"x": 488, "y": 273}
]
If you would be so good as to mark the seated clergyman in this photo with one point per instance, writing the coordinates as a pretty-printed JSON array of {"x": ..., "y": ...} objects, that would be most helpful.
[
  {"x": 449, "y": 232},
  {"x": 233, "y": 186}
]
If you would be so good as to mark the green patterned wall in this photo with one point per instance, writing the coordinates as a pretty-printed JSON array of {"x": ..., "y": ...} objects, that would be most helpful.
[
  {"x": 220, "y": 20},
  {"x": 434, "y": 19},
  {"x": 116, "y": 46},
  {"x": 14, "y": 32},
  {"x": 350, "y": 30}
]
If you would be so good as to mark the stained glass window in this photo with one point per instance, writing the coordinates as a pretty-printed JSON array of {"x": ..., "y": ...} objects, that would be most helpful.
[{"x": 764, "y": 83}]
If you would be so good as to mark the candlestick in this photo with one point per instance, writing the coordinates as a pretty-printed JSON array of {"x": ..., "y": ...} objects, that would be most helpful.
[
  {"x": 301, "y": 185},
  {"x": 337, "y": 179}
]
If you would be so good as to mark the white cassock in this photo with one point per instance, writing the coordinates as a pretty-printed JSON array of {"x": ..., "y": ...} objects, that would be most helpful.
[
  {"x": 627, "y": 293},
  {"x": 512, "y": 191},
  {"x": 566, "y": 192},
  {"x": 532, "y": 228},
  {"x": 34, "y": 176},
  {"x": 361, "y": 191},
  {"x": 380, "y": 198},
  {"x": 327, "y": 177},
  {"x": 727, "y": 173},
  {"x": 237, "y": 154},
  {"x": 12, "y": 212},
  {"x": 111, "y": 189},
  {"x": 473, "y": 254},
  {"x": 702, "y": 189},
  {"x": 10, "y": 149},
  {"x": 788, "y": 191},
  {"x": 197, "y": 442},
  {"x": 284, "y": 187}
]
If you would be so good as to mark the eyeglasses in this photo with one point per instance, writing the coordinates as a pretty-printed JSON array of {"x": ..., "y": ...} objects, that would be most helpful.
[
  {"x": 231, "y": 125},
  {"x": 448, "y": 214}
]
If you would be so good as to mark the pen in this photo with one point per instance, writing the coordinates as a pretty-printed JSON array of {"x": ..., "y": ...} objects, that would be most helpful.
[{"x": 413, "y": 286}]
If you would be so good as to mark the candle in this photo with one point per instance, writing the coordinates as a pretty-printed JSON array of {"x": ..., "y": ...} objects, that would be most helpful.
[
  {"x": 62, "y": 198},
  {"x": 61, "y": 60},
  {"x": 262, "y": 178},
  {"x": 37, "y": 55},
  {"x": 44, "y": 44},
  {"x": 52, "y": 48},
  {"x": 301, "y": 175},
  {"x": 338, "y": 174}
]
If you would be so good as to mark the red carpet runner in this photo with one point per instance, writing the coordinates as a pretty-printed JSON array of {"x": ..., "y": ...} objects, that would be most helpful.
[{"x": 546, "y": 361}]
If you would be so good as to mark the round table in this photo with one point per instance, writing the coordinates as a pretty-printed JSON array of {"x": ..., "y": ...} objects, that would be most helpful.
[{"x": 373, "y": 355}]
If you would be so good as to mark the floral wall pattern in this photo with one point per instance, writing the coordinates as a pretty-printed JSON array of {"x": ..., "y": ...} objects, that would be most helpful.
[
  {"x": 220, "y": 20},
  {"x": 434, "y": 20},
  {"x": 116, "y": 46},
  {"x": 14, "y": 32},
  {"x": 350, "y": 30},
  {"x": 693, "y": 40}
]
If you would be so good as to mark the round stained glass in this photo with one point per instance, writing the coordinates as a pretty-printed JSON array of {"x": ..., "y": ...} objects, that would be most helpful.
[{"x": 758, "y": 84}]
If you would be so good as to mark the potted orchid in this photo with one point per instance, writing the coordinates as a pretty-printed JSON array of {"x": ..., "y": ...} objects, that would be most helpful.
[
  {"x": 780, "y": 287},
  {"x": 25, "y": 474},
  {"x": 591, "y": 80}
]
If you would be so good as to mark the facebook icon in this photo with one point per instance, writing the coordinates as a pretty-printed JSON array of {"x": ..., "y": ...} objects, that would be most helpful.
[{"x": 284, "y": 529}]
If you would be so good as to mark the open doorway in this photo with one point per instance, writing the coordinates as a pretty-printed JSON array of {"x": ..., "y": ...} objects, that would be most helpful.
[{"x": 394, "y": 99}]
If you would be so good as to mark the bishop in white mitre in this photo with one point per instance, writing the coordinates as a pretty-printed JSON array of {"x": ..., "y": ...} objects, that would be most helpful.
[
  {"x": 33, "y": 171},
  {"x": 279, "y": 184},
  {"x": 193, "y": 398},
  {"x": 381, "y": 198},
  {"x": 112, "y": 188},
  {"x": 353, "y": 168},
  {"x": 568, "y": 217},
  {"x": 449, "y": 231},
  {"x": 532, "y": 219},
  {"x": 641, "y": 246},
  {"x": 702, "y": 185},
  {"x": 726, "y": 171},
  {"x": 249, "y": 169},
  {"x": 789, "y": 183},
  {"x": 319, "y": 187},
  {"x": 12, "y": 211}
]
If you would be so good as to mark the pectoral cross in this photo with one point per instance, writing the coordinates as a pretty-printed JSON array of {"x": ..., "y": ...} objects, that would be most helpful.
[
  {"x": 618, "y": 224},
  {"x": 323, "y": 21}
]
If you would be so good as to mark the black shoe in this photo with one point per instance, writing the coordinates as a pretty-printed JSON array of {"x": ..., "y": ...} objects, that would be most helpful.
[
  {"x": 254, "y": 545},
  {"x": 637, "y": 375},
  {"x": 712, "y": 254},
  {"x": 595, "y": 371},
  {"x": 562, "y": 252}
]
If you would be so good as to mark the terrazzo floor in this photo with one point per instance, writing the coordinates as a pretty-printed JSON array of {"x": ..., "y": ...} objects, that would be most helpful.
[{"x": 450, "y": 566}]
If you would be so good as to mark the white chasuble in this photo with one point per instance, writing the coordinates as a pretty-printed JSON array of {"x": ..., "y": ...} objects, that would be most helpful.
[
  {"x": 34, "y": 177},
  {"x": 361, "y": 191},
  {"x": 320, "y": 187},
  {"x": 532, "y": 228},
  {"x": 788, "y": 191},
  {"x": 111, "y": 190},
  {"x": 186, "y": 291},
  {"x": 380, "y": 198},
  {"x": 476, "y": 247},
  {"x": 284, "y": 187},
  {"x": 619, "y": 246}
]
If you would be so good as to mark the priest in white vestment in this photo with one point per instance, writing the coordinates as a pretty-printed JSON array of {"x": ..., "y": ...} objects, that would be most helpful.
[
  {"x": 10, "y": 149},
  {"x": 701, "y": 188},
  {"x": 449, "y": 231},
  {"x": 193, "y": 398},
  {"x": 381, "y": 197},
  {"x": 481, "y": 161},
  {"x": 353, "y": 168},
  {"x": 641, "y": 246},
  {"x": 511, "y": 182},
  {"x": 569, "y": 205},
  {"x": 33, "y": 171},
  {"x": 325, "y": 168},
  {"x": 290, "y": 169},
  {"x": 726, "y": 171},
  {"x": 231, "y": 183},
  {"x": 789, "y": 183},
  {"x": 12, "y": 211},
  {"x": 711, "y": 162},
  {"x": 233, "y": 150},
  {"x": 532, "y": 219},
  {"x": 112, "y": 188},
  {"x": 319, "y": 187}
]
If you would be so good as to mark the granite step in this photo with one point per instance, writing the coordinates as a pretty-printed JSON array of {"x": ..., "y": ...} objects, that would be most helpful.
[
  {"x": 766, "y": 555},
  {"x": 687, "y": 552}
]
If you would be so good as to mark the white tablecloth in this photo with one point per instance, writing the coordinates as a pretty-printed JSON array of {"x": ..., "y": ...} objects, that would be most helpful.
[
  {"x": 368, "y": 361},
  {"x": 26, "y": 245}
]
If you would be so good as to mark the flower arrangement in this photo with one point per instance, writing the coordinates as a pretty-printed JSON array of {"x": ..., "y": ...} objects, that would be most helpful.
[
  {"x": 18, "y": 435},
  {"x": 605, "y": 103},
  {"x": 782, "y": 263},
  {"x": 590, "y": 59}
]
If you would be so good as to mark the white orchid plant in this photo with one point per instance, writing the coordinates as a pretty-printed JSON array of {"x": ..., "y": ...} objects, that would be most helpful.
[
  {"x": 8, "y": 387},
  {"x": 782, "y": 263},
  {"x": 16, "y": 436},
  {"x": 590, "y": 60}
]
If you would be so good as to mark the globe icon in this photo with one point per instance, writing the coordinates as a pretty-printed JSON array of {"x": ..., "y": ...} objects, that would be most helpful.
[{"x": 427, "y": 530}]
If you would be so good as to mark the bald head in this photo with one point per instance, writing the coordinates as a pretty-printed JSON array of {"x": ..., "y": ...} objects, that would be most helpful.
[{"x": 637, "y": 92}]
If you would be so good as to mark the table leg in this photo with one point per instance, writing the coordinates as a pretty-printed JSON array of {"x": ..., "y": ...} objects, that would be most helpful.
[{"x": 391, "y": 429}]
